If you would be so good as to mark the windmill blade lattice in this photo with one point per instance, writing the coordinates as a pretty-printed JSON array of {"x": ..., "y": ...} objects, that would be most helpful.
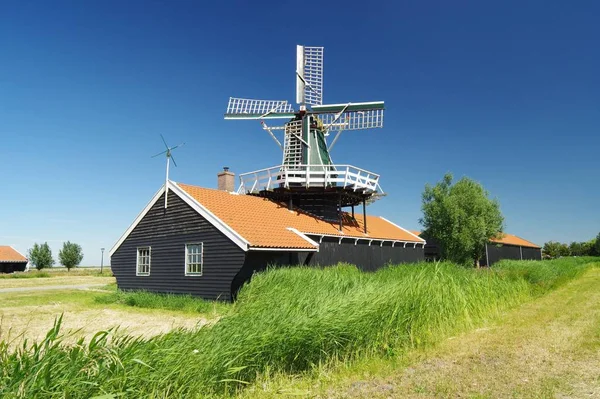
[
  {"x": 352, "y": 120},
  {"x": 246, "y": 108},
  {"x": 309, "y": 89}
]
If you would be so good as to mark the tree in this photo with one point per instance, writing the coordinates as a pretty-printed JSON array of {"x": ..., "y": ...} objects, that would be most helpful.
[
  {"x": 555, "y": 249},
  {"x": 577, "y": 249},
  {"x": 461, "y": 218},
  {"x": 41, "y": 256},
  {"x": 596, "y": 247},
  {"x": 70, "y": 255}
]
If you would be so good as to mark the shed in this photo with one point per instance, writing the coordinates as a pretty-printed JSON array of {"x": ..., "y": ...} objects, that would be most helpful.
[
  {"x": 509, "y": 246},
  {"x": 209, "y": 242},
  {"x": 505, "y": 246},
  {"x": 11, "y": 260}
]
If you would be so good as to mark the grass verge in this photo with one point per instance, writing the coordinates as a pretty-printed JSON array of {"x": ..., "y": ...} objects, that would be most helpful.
[
  {"x": 58, "y": 272},
  {"x": 148, "y": 300},
  {"x": 546, "y": 348},
  {"x": 288, "y": 320}
]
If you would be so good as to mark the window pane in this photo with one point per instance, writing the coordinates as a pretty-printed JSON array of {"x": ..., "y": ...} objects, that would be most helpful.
[
  {"x": 143, "y": 260},
  {"x": 193, "y": 259}
]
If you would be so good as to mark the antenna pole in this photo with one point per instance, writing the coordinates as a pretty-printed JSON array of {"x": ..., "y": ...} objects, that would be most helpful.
[{"x": 167, "y": 182}]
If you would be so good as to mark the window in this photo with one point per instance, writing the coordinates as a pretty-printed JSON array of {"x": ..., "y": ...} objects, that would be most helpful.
[
  {"x": 193, "y": 259},
  {"x": 143, "y": 262}
]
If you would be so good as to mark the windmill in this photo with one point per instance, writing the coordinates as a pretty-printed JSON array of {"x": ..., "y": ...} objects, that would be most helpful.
[
  {"x": 307, "y": 173},
  {"x": 169, "y": 155}
]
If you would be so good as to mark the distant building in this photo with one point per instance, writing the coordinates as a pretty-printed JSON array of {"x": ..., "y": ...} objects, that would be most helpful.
[
  {"x": 507, "y": 246},
  {"x": 11, "y": 260}
]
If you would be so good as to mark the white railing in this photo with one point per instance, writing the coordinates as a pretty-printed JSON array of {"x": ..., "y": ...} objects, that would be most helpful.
[{"x": 346, "y": 176}]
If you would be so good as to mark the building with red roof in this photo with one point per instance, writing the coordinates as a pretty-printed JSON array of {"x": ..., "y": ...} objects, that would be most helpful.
[{"x": 11, "y": 260}]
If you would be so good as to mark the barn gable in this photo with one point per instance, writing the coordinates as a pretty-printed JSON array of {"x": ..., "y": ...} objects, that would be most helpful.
[{"x": 165, "y": 232}]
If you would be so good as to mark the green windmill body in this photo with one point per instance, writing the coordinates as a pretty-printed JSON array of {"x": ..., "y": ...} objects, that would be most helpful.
[{"x": 305, "y": 143}]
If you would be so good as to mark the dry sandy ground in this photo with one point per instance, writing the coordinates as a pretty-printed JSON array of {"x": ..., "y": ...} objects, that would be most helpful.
[
  {"x": 59, "y": 280},
  {"x": 33, "y": 322},
  {"x": 31, "y": 312}
]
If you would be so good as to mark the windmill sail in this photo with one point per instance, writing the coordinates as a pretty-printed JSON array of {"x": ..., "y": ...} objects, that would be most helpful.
[
  {"x": 245, "y": 108},
  {"x": 309, "y": 75},
  {"x": 357, "y": 116}
]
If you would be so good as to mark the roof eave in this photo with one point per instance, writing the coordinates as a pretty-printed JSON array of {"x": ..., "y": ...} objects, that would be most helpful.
[{"x": 283, "y": 249}]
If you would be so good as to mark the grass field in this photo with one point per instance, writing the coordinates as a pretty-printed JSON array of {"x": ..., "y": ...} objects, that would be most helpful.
[{"x": 306, "y": 323}]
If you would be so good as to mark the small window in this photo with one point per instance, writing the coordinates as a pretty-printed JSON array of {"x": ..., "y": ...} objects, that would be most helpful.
[
  {"x": 143, "y": 261},
  {"x": 193, "y": 259}
]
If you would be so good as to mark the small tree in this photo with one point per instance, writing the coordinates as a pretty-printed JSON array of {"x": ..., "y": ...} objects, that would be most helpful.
[
  {"x": 70, "y": 255},
  {"x": 41, "y": 256},
  {"x": 577, "y": 248},
  {"x": 460, "y": 218},
  {"x": 554, "y": 249},
  {"x": 595, "y": 250}
]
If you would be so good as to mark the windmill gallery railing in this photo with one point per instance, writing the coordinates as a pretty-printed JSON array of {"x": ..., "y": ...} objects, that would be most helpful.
[{"x": 289, "y": 176}]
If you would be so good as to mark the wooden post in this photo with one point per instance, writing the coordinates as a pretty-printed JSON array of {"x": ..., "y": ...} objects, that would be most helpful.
[
  {"x": 340, "y": 211},
  {"x": 365, "y": 214},
  {"x": 352, "y": 211}
]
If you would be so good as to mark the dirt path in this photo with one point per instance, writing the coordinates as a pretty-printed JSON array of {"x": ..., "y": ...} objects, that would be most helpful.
[
  {"x": 51, "y": 287},
  {"x": 58, "y": 280}
]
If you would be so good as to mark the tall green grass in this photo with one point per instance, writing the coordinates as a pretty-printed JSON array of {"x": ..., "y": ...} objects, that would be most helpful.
[
  {"x": 546, "y": 275},
  {"x": 285, "y": 320}
]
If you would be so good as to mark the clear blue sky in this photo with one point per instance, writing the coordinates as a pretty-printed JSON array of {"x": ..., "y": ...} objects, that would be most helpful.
[{"x": 507, "y": 93}]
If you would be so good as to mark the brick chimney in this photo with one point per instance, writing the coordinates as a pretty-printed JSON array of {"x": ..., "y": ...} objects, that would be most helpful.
[{"x": 226, "y": 180}]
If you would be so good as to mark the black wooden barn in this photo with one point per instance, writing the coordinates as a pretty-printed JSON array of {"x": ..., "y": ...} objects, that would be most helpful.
[
  {"x": 208, "y": 242},
  {"x": 509, "y": 246},
  {"x": 506, "y": 246},
  {"x": 11, "y": 260}
]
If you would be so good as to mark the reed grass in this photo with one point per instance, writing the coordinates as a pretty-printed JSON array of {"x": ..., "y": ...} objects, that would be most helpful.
[{"x": 286, "y": 320}]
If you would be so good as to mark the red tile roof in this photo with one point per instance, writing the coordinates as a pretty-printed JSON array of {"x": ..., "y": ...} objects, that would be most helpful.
[
  {"x": 509, "y": 239},
  {"x": 264, "y": 223},
  {"x": 9, "y": 254}
]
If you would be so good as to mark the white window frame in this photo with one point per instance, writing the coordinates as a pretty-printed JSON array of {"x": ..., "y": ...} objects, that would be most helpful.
[
  {"x": 186, "y": 266},
  {"x": 137, "y": 261}
]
